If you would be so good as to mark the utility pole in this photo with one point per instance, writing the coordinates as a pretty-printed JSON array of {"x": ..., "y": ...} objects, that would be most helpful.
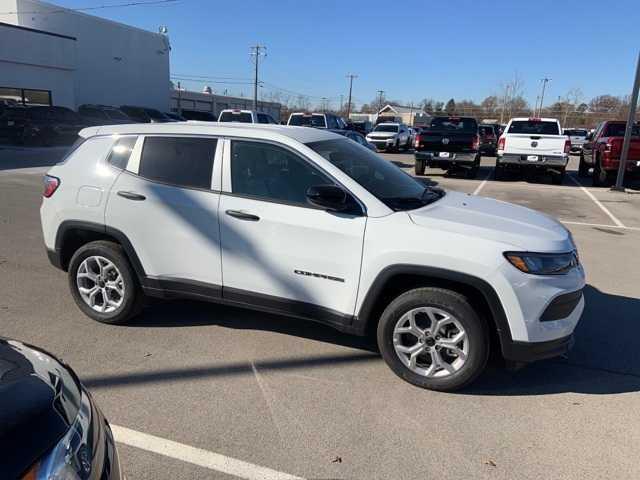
[
  {"x": 633, "y": 105},
  {"x": 544, "y": 86},
  {"x": 324, "y": 104},
  {"x": 257, "y": 51},
  {"x": 351, "y": 76},
  {"x": 179, "y": 99},
  {"x": 504, "y": 104},
  {"x": 380, "y": 95}
]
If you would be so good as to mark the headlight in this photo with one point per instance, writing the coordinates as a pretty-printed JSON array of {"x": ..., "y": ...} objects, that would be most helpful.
[
  {"x": 543, "y": 263},
  {"x": 71, "y": 458}
]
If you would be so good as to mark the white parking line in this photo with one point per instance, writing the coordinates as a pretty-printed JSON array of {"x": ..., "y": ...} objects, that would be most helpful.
[
  {"x": 197, "y": 456},
  {"x": 602, "y": 225},
  {"x": 597, "y": 202},
  {"x": 484, "y": 182}
]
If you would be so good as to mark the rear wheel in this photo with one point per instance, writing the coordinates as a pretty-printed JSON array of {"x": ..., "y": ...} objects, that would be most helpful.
[
  {"x": 473, "y": 171},
  {"x": 433, "y": 338},
  {"x": 103, "y": 283},
  {"x": 419, "y": 166},
  {"x": 583, "y": 168},
  {"x": 558, "y": 177},
  {"x": 600, "y": 176},
  {"x": 498, "y": 173}
]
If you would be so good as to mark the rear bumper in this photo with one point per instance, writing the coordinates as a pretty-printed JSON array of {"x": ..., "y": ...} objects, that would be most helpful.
[
  {"x": 609, "y": 164},
  {"x": 542, "y": 161},
  {"x": 526, "y": 352},
  {"x": 433, "y": 159}
]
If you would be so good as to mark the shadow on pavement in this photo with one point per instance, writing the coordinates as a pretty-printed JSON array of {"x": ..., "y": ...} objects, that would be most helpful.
[{"x": 604, "y": 360}]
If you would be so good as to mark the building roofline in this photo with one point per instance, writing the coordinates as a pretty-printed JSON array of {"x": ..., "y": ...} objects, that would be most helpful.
[{"x": 35, "y": 30}]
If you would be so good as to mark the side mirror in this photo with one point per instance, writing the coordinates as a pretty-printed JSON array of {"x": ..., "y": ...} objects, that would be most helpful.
[{"x": 330, "y": 197}]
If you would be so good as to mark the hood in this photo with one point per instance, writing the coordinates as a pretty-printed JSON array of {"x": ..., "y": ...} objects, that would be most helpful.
[
  {"x": 39, "y": 400},
  {"x": 480, "y": 217},
  {"x": 382, "y": 134}
]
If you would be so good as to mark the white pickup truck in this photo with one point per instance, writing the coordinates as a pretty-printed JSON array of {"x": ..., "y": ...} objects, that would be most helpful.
[{"x": 533, "y": 144}]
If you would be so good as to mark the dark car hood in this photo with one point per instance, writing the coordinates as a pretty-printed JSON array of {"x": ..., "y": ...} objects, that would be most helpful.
[{"x": 39, "y": 400}]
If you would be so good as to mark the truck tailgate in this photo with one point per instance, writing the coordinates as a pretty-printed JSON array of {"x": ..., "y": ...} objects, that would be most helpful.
[{"x": 521, "y": 143}]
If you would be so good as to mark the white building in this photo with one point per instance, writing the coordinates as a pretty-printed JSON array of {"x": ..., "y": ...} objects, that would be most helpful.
[
  {"x": 189, "y": 100},
  {"x": 51, "y": 55}
]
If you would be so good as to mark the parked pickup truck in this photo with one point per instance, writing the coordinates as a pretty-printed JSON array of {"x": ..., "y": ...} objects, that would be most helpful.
[
  {"x": 449, "y": 143},
  {"x": 534, "y": 144},
  {"x": 602, "y": 150},
  {"x": 577, "y": 136}
]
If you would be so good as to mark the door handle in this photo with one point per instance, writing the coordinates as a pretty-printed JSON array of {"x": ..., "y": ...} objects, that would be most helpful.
[
  {"x": 242, "y": 215},
  {"x": 131, "y": 195}
]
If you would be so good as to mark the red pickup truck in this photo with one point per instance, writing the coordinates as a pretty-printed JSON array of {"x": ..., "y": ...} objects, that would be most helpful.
[{"x": 602, "y": 151}]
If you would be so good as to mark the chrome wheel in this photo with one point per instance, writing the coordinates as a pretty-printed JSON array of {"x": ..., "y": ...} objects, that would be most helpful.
[
  {"x": 100, "y": 284},
  {"x": 430, "y": 342}
]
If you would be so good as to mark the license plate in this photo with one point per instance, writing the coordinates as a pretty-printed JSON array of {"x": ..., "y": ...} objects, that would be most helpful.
[
  {"x": 10, "y": 123},
  {"x": 443, "y": 154},
  {"x": 532, "y": 158}
]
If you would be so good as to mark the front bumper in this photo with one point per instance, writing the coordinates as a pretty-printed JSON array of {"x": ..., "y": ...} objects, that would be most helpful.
[
  {"x": 539, "y": 161},
  {"x": 434, "y": 159},
  {"x": 382, "y": 143},
  {"x": 524, "y": 352}
]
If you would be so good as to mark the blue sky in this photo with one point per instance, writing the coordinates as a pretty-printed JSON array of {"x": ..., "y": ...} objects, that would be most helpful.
[{"x": 411, "y": 50}]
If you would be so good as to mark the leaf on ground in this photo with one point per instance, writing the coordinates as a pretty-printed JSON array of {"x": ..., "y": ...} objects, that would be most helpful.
[
  {"x": 490, "y": 463},
  {"x": 337, "y": 460}
]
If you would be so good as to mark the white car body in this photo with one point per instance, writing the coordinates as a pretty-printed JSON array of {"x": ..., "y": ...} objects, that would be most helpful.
[
  {"x": 533, "y": 148},
  {"x": 293, "y": 255},
  {"x": 400, "y": 138}
]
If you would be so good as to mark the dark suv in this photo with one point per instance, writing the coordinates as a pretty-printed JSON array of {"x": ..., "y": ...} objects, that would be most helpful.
[
  {"x": 145, "y": 115},
  {"x": 103, "y": 115},
  {"x": 41, "y": 126}
]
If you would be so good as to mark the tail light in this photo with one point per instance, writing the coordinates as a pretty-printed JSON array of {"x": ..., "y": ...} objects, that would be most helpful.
[
  {"x": 567, "y": 146},
  {"x": 614, "y": 147},
  {"x": 416, "y": 142},
  {"x": 51, "y": 184},
  {"x": 501, "y": 143}
]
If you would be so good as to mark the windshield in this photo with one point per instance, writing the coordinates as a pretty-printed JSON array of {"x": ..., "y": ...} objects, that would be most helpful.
[
  {"x": 486, "y": 130},
  {"x": 575, "y": 133},
  {"x": 454, "y": 124},
  {"x": 308, "y": 120},
  {"x": 242, "y": 117},
  {"x": 386, "y": 128},
  {"x": 381, "y": 178},
  {"x": 534, "y": 127}
]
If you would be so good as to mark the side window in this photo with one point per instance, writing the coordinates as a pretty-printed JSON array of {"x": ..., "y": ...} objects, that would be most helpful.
[
  {"x": 273, "y": 173},
  {"x": 331, "y": 122},
  {"x": 262, "y": 118},
  {"x": 121, "y": 151},
  {"x": 181, "y": 161}
]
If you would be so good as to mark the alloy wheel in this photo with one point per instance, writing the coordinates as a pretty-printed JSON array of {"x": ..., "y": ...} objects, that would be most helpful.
[{"x": 100, "y": 284}]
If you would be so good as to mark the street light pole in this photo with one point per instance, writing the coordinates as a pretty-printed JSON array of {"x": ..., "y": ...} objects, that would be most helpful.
[
  {"x": 633, "y": 105},
  {"x": 504, "y": 104},
  {"x": 544, "y": 86},
  {"x": 350, "y": 77}
]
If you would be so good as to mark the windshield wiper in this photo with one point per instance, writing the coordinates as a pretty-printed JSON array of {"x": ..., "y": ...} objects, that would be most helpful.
[{"x": 429, "y": 195}]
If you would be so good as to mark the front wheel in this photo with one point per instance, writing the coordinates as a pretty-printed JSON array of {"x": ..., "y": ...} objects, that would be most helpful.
[
  {"x": 600, "y": 176},
  {"x": 419, "y": 167},
  {"x": 434, "y": 339},
  {"x": 103, "y": 283},
  {"x": 583, "y": 168}
]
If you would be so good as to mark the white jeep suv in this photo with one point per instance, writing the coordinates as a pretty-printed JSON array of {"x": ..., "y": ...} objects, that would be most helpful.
[{"x": 307, "y": 223}]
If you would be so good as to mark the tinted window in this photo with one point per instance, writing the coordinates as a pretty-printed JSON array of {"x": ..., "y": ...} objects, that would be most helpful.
[
  {"x": 534, "y": 127},
  {"x": 486, "y": 130},
  {"x": 575, "y": 133},
  {"x": 617, "y": 130},
  {"x": 379, "y": 176},
  {"x": 308, "y": 120},
  {"x": 242, "y": 117},
  {"x": 121, "y": 151},
  {"x": 332, "y": 122},
  {"x": 179, "y": 161},
  {"x": 386, "y": 128},
  {"x": 453, "y": 124},
  {"x": 262, "y": 118},
  {"x": 271, "y": 172}
]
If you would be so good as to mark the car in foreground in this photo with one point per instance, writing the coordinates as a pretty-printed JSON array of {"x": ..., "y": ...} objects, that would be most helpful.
[
  {"x": 390, "y": 137},
  {"x": 602, "y": 149},
  {"x": 245, "y": 116},
  {"x": 50, "y": 426},
  {"x": 577, "y": 136},
  {"x": 102, "y": 115},
  {"x": 41, "y": 126},
  {"x": 303, "y": 222},
  {"x": 144, "y": 114},
  {"x": 317, "y": 120},
  {"x": 535, "y": 145},
  {"x": 450, "y": 143}
]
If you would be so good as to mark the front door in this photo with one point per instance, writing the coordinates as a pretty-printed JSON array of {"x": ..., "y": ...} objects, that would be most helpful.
[{"x": 278, "y": 250}]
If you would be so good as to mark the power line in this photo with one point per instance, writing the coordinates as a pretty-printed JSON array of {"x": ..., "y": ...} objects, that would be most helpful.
[
  {"x": 86, "y": 9},
  {"x": 211, "y": 77}
]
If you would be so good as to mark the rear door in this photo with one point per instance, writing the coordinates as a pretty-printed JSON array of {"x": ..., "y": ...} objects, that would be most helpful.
[
  {"x": 165, "y": 204},
  {"x": 534, "y": 137}
]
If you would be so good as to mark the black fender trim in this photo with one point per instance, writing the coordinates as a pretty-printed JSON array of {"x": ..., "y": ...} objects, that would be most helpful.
[
  {"x": 70, "y": 225},
  {"x": 491, "y": 297}
]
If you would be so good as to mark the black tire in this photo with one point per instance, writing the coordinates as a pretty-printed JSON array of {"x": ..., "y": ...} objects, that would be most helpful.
[
  {"x": 558, "y": 178},
  {"x": 600, "y": 177},
  {"x": 452, "y": 303},
  {"x": 473, "y": 171},
  {"x": 498, "y": 172},
  {"x": 419, "y": 167},
  {"x": 133, "y": 297},
  {"x": 583, "y": 168}
]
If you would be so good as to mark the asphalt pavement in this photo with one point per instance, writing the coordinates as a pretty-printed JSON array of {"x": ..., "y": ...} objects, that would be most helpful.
[{"x": 194, "y": 388}]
